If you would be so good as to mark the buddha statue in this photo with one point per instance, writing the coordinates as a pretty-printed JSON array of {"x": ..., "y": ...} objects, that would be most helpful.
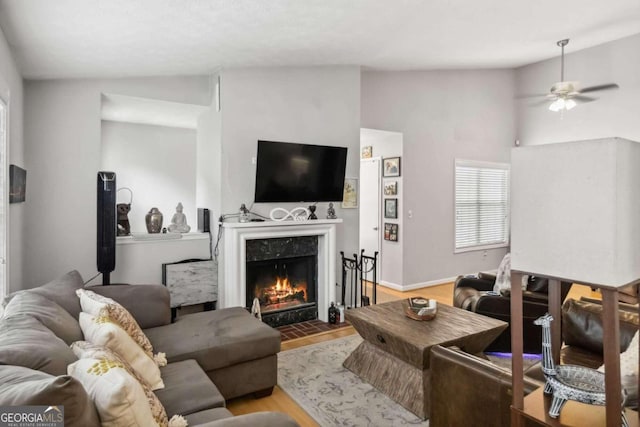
[{"x": 179, "y": 221}]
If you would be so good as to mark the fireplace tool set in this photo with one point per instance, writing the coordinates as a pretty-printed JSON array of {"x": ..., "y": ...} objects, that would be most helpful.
[{"x": 357, "y": 272}]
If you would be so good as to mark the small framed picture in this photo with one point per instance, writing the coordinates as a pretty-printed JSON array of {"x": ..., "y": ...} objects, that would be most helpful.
[
  {"x": 391, "y": 208},
  {"x": 17, "y": 184},
  {"x": 391, "y": 166},
  {"x": 367, "y": 152},
  {"x": 391, "y": 188},
  {"x": 350, "y": 193},
  {"x": 390, "y": 232}
]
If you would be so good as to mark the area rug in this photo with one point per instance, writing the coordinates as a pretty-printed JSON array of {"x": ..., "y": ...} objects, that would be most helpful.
[{"x": 313, "y": 376}]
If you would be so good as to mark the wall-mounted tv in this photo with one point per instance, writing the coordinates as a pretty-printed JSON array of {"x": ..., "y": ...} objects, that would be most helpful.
[{"x": 288, "y": 172}]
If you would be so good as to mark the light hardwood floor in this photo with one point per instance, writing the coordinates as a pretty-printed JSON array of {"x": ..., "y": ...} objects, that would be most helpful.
[{"x": 281, "y": 402}]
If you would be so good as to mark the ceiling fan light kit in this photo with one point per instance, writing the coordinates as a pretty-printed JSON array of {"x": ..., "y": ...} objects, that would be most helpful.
[{"x": 564, "y": 94}]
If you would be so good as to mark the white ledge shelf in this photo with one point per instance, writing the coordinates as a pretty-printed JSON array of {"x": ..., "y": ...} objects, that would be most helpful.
[
  {"x": 162, "y": 238},
  {"x": 269, "y": 223}
]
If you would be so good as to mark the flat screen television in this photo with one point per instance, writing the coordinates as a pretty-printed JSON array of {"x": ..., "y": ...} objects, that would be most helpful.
[{"x": 288, "y": 172}]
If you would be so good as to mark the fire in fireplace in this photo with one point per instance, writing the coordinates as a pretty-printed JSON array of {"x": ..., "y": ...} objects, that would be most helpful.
[{"x": 282, "y": 275}]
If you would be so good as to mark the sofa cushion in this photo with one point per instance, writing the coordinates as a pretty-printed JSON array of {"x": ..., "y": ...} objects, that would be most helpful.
[
  {"x": 49, "y": 313},
  {"x": 187, "y": 389},
  {"x": 104, "y": 332},
  {"x": 216, "y": 339},
  {"x": 24, "y": 341},
  {"x": 24, "y": 386},
  {"x": 582, "y": 325},
  {"x": 62, "y": 291},
  {"x": 203, "y": 417},
  {"x": 117, "y": 395},
  {"x": 99, "y": 305}
]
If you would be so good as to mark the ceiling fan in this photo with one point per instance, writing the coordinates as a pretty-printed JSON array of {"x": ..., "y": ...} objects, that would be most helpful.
[{"x": 564, "y": 94}]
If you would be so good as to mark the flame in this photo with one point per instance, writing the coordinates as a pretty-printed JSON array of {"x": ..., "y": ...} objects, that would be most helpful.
[{"x": 281, "y": 291}]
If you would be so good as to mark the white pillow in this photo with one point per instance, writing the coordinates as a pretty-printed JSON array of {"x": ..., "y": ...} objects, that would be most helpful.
[
  {"x": 98, "y": 305},
  {"x": 629, "y": 371},
  {"x": 86, "y": 350},
  {"x": 118, "y": 396},
  {"x": 103, "y": 331}
]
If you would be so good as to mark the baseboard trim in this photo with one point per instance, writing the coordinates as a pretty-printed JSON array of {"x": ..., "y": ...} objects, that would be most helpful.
[{"x": 390, "y": 285}]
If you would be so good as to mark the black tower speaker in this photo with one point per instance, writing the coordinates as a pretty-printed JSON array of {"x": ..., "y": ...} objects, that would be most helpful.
[
  {"x": 106, "y": 224},
  {"x": 204, "y": 221}
]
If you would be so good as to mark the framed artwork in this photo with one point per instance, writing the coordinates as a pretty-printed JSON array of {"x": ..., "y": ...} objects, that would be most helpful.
[
  {"x": 391, "y": 232},
  {"x": 391, "y": 208},
  {"x": 367, "y": 152},
  {"x": 17, "y": 184},
  {"x": 391, "y": 188},
  {"x": 350, "y": 193},
  {"x": 391, "y": 166}
]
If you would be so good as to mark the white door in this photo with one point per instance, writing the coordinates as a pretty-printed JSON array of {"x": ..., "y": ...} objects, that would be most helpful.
[
  {"x": 3, "y": 198},
  {"x": 370, "y": 207}
]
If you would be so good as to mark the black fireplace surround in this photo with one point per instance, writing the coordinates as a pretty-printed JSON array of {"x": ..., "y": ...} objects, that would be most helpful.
[{"x": 283, "y": 274}]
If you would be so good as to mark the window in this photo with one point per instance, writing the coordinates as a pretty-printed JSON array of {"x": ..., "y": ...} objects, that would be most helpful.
[{"x": 482, "y": 205}]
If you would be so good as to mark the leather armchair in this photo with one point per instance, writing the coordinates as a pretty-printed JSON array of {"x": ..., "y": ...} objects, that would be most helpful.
[{"x": 475, "y": 294}]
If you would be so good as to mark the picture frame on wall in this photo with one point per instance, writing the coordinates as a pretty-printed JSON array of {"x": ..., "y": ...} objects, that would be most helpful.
[
  {"x": 350, "y": 193},
  {"x": 391, "y": 166},
  {"x": 17, "y": 184},
  {"x": 390, "y": 232},
  {"x": 391, "y": 208},
  {"x": 391, "y": 188},
  {"x": 367, "y": 152}
]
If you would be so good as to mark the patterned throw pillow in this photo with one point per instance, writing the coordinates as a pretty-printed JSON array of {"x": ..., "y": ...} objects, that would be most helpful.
[
  {"x": 99, "y": 306},
  {"x": 103, "y": 331},
  {"x": 117, "y": 395},
  {"x": 86, "y": 350}
]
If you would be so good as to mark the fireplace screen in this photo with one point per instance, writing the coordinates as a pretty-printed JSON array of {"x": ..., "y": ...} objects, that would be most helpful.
[{"x": 282, "y": 284}]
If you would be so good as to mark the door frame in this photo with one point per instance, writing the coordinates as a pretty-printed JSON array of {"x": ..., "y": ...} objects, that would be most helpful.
[
  {"x": 377, "y": 159},
  {"x": 4, "y": 200}
]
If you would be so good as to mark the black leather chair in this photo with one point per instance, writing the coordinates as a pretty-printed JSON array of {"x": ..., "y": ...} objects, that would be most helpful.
[{"x": 471, "y": 293}]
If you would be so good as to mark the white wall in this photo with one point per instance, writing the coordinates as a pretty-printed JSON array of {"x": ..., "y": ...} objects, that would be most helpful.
[
  {"x": 157, "y": 163},
  {"x": 11, "y": 91},
  {"x": 388, "y": 144},
  {"x": 443, "y": 115},
  {"x": 615, "y": 113},
  {"x": 315, "y": 105},
  {"x": 62, "y": 155}
]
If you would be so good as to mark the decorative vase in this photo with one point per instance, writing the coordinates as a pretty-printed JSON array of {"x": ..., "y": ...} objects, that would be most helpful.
[
  {"x": 154, "y": 221},
  {"x": 334, "y": 314}
]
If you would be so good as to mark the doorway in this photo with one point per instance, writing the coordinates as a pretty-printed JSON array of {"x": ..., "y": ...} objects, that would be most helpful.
[
  {"x": 378, "y": 191},
  {"x": 3, "y": 197}
]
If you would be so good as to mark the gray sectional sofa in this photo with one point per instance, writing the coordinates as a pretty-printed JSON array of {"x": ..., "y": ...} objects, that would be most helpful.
[{"x": 213, "y": 356}]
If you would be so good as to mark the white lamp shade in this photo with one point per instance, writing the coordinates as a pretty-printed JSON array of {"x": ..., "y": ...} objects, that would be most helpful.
[{"x": 575, "y": 211}]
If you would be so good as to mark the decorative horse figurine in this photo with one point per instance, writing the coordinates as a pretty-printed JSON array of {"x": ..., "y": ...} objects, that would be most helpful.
[{"x": 570, "y": 382}]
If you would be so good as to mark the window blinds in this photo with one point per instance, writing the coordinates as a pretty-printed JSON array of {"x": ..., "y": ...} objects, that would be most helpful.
[{"x": 482, "y": 205}]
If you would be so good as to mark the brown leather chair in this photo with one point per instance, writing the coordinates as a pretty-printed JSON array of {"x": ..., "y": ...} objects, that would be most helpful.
[{"x": 473, "y": 294}]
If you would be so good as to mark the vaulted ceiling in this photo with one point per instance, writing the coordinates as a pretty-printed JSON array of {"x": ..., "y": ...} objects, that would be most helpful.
[{"x": 114, "y": 38}]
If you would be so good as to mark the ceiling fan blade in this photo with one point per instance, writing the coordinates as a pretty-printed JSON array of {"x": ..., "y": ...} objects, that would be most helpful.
[
  {"x": 607, "y": 86},
  {"x": 583, "y": 98},
  {"x": 531, "y": 95}
]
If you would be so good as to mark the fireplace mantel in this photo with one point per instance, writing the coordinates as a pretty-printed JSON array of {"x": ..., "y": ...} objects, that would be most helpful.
[{"x": 232, "y": 289}]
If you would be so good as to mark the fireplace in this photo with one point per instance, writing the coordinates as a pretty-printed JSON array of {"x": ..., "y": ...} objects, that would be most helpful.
[{"x": 282, "y": 273}]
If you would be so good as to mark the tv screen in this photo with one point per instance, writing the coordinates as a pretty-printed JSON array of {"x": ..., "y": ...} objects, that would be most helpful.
[{"x": 288, "y": 172}]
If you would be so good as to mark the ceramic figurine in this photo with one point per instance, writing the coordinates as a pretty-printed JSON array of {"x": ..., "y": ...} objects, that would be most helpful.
[
  {"x": 179, "y": 221},
  {"x": 331, "y": 212}
]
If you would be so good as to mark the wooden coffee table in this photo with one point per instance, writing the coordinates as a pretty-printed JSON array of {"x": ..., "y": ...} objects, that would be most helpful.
[{"x": 394, "y": 356}]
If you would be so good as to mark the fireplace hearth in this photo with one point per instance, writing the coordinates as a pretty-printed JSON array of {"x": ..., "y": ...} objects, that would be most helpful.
[{"x": 282, "y": 273}]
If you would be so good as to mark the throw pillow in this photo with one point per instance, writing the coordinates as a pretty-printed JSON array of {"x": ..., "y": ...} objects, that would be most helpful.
[
  {"x": 24, "y": 386},
  {"x": 629, "y": 371},
  {"x": 98, "y": 305},
  {"x": 103, "y": 331},
  {"x": 86, "y": 350},
  {"x": 27, "y": 342},
  {"x": 50, "y": 314},
  {"x": 61, "y": 291},
  {"x": 117, "y": 395}
]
